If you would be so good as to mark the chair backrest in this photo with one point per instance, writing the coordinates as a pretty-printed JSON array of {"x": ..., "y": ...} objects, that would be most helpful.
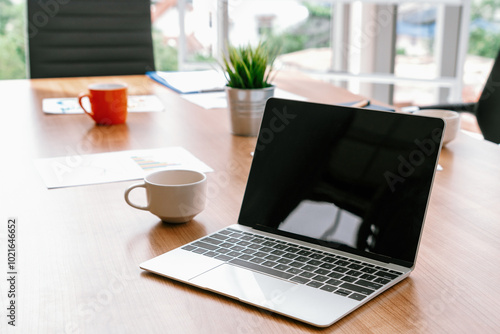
[
  {"x": 488, "y": 106},
  {"x": 69, "y": 38}
]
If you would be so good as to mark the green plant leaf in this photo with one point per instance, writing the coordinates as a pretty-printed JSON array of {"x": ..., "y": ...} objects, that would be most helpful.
[{"x": 248, "y": 67}]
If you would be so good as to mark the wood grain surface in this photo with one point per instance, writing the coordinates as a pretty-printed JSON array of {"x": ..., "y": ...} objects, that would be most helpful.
[{"x": 79, "y": 248}]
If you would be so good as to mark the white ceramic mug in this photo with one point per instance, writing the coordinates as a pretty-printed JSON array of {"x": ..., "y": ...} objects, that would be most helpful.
[
  {"x": 451, "y": 118},
  {"x": 175, "y": 196}
]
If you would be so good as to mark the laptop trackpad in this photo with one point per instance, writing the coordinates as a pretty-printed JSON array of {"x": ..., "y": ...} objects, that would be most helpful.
[
  {"x": 298, "y": 301},
  {"x": 243, "y": 284}
]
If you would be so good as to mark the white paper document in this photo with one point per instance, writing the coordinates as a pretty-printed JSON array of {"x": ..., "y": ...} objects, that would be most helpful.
[
  {"x": 77, "y": 170},
  {"x": 218, "y": 99},
  {"x": 70, "y": 105}
]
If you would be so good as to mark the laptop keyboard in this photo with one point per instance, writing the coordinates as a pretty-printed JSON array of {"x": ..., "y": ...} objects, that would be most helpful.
[{"x": 303, "y": 265}]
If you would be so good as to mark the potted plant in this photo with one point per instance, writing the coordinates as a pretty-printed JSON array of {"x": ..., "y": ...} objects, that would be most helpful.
[{"x": 248, "y": 70}]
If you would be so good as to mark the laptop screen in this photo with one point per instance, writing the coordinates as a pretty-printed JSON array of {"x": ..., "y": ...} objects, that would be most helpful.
[{"x": 352, "y": 179}]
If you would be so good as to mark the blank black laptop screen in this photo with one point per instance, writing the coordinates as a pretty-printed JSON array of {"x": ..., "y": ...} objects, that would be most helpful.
[{"x": 346, "y": 178}]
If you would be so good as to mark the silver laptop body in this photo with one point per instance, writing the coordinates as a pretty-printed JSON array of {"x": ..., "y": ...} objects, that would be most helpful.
[{"x": 331, "y": 217}]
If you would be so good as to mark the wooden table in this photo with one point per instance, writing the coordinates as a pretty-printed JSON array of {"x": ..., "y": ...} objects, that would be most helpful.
[{"x": 79, "y": 248}]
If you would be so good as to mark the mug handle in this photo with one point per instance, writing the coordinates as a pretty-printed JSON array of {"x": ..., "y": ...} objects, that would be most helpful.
[
  {"x": 80, "y": 97},
  {"x": 127, "y": 192}
]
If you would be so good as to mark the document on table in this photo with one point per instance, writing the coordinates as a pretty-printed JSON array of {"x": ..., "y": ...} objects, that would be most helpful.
[
  {"x": 218, "y": 99},
  {"x": 189, "y": 82},
  {"x": 77, "y": 170},
  {"x": 70, "y": 105}
]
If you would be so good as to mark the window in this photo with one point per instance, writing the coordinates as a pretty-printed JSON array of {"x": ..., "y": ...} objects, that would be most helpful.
[
  {"x": 185, "y": 34},
  {"x": 12, "y": 55},
  {"x": 190, "y": 34},
  {"x": 416, "y": 33}
]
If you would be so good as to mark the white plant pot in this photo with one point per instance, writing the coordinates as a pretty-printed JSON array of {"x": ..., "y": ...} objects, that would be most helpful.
[{"x": 246, "y": 107}]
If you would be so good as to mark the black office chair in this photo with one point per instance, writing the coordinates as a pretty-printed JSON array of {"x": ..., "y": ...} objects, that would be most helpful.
[
  {"x": 486, "y": 109},
  {"x": 89, "y": 38}
]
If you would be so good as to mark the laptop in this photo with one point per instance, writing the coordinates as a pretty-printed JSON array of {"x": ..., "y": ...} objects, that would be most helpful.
[{"x": 331, "y": 217}]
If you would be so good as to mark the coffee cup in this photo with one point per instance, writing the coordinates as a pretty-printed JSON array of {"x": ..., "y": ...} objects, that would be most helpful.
[
  {"x": 108, "y": 103},
  {"x": 451, "y": 119},
  {"x": 175, "y": 196}
]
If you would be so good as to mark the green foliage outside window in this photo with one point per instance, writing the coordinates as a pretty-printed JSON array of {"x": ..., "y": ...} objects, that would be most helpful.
[
  {"x": 312, "y": 33},
  {"x": 165, "y": 55},
  {"x": 485, "y": 43},
  {"x": 12, "y": 45}
]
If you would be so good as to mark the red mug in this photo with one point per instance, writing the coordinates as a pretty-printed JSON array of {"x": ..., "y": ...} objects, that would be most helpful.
[{"x": 108, "y": 103}]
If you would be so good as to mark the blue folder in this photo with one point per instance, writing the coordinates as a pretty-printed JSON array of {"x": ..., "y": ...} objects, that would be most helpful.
[{"x": 190, "y": 82}]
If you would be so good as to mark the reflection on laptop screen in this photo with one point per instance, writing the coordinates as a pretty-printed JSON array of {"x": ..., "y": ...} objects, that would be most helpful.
[{"x": 346, "y": 178}]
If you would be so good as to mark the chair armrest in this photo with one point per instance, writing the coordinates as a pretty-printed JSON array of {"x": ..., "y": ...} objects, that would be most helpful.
[{"x": 459, "y": 107}]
